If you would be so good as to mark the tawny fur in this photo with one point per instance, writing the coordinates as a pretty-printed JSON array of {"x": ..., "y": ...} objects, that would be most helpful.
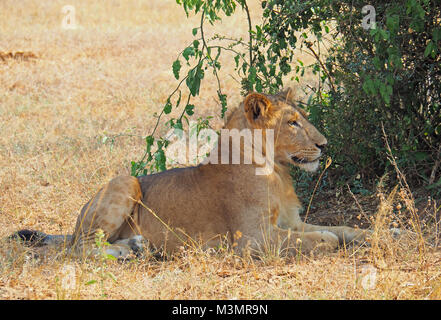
[{"x": 211, "y": 201}]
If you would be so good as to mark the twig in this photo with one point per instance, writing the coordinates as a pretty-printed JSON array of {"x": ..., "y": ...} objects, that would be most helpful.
[
  {"x": 416, "y": 222},
  {"x": 331, "y": 83},
  {"x": 159, "y": 219},
  {"x": 245, "y": 7},
  {"x": 356, "y": 201},
  {"x": 328, "y": 163},
  {"x": 435, "y": 167}
]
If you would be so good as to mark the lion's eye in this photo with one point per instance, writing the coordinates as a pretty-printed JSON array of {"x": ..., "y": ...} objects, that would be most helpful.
[{"x": 294, "y": 124}]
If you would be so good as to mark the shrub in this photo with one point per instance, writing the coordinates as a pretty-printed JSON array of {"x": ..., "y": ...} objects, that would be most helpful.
[{"x": 386, "y": 75}]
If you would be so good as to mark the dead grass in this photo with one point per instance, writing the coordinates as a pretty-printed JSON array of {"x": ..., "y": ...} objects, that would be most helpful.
[{"x": 109, "y": 77}]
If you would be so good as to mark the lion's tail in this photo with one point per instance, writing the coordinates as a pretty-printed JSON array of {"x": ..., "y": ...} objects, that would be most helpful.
[{"x": 38, "y": 238}]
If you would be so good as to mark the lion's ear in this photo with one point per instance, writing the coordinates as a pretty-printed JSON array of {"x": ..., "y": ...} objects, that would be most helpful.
[
  {"x": 256, "y": 106},
  {"x": 288, "y": 95}
]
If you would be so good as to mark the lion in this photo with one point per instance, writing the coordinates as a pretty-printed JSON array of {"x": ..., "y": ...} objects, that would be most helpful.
[{"x": 210, "y": 202}]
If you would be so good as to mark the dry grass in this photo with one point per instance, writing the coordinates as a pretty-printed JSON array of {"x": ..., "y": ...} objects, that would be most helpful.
[{"x": 109, "y": 77}]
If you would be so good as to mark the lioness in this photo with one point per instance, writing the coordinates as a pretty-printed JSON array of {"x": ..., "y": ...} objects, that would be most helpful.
[{"x": 209, "y": 202}]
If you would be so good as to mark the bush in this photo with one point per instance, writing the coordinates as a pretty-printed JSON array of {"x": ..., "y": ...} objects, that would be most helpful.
[{"x": 387, "y": 75}]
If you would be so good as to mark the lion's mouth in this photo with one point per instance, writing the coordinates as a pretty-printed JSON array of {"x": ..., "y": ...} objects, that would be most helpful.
[{"x": 303, "y": 160}]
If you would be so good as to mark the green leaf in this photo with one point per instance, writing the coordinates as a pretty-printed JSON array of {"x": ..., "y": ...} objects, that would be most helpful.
[
  {"x": 178, "y": 102},
  {"x": 389, "y": 90},
  {"x": 193, "y": 80},
  {"x": 133, "y": 168},
  {"x": 88, "y": 283},
  {"x": 176, "y": 68},
  {"x": 189, "y": 109},
  {"x": 110, "y": 257},
  {"x": 377, "y": 63},
  {"x": 194, "y": 31},
  {"x": 259, "y": 87},
  {"x": 160, "y": 159},
  {"x": 429, "y": 49},
  {"x": 188, "y": 52},
  {"x": 369, "y": 87},
  {"x": 252, "y": 75},
  {"x": 437, "y": 34},
  {"x": 386, "y": 92},
  {"x": 178, "y": 125},
  {"x": 393, "y": 23},
  {"x": 223, "y": 100},
  {"x": 149, "y": 140},
  {"x": 167, "y": 108},
  {"x": 236, "y": 59}
]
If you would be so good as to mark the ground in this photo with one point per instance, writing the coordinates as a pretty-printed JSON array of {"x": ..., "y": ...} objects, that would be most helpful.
[{"x": 71, "y": 89}]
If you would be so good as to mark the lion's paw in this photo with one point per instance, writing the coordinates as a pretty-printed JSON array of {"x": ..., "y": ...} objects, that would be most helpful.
[
  {"x": 329, "y": 238},
  {"x": 322, "y": 240},
  {"x": 138, "y": 245}
]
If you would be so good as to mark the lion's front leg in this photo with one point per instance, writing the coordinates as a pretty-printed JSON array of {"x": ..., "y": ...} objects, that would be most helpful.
[
  {"x": 345, "y": 234},
  {"x": 291, "y": 220},
  {"x": 273, "y": 239}
]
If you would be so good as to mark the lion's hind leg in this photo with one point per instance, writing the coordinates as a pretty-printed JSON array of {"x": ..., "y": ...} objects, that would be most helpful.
[{"x": 111, "y": 210}]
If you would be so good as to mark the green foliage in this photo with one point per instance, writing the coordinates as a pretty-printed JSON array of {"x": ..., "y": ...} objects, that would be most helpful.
[
  {"x": 400, "y": 73},
  {"x": 198, "y": 57},
  {"x": 389, "y": 75},
  {"x": 386, "y": 76}
]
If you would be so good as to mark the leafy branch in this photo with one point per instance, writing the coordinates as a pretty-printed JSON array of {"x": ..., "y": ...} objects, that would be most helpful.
[{"x": 270, "y": 54}]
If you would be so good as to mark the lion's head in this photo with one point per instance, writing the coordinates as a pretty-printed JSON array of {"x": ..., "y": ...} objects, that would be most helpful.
[{"x": 296, "y": 140}]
